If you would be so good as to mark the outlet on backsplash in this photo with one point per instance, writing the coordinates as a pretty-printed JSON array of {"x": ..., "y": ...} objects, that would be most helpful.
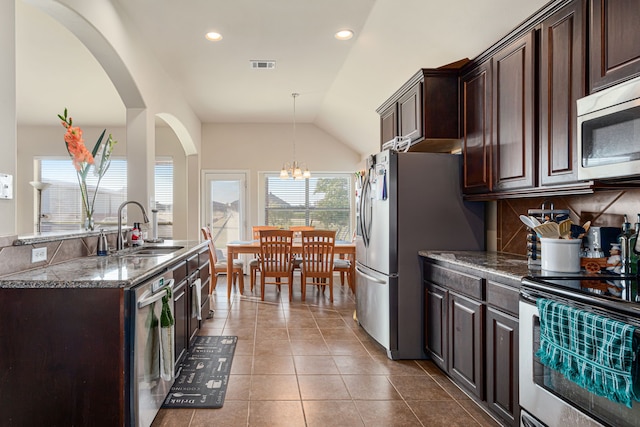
[{"x": 38, "y": 254}]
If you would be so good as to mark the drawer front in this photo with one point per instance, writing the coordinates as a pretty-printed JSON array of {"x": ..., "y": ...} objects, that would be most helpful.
[
  {"x": 179, "y": 272},
  {"x": 204, "y": 272},
  {"x": 203, "y": 258},
  {"x": 504, "y": 297},
  {"x": 192, "y": 263},
  {"x": 463, "y": 283}
]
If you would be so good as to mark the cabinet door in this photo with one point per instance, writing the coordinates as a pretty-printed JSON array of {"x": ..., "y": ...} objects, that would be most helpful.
[
  {"x": 388, "y": 124},
  {"x": 180, "y": 313},
  {"x": 205, "y": 282},
  {"x": 436, "y": 324},
  {"x": 562, "y": 82},
  {"x": 192, "y": 315},
  {"x": 410, "y": 113},
  {"x": 615, "y": 42},
  {"x": 476, "y": 129},
  {"x": 466, "y": 362},
  {"x": 502, "y": 366},
  {"x": 513, "y": 115}
]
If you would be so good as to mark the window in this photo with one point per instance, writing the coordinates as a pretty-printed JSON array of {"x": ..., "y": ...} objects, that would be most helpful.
[
  {"x": 164, "y": 196},
  {"x": 323, "y": 201},
  {"x": 62, "y": 202}
]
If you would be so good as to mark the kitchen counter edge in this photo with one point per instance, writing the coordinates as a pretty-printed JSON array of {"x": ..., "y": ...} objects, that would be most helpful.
[
  {"x": 503, "y": 265},
  {"x": 112, "y": 271}
]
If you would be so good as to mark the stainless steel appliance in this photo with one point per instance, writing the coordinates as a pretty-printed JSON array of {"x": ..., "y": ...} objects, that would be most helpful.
[
  {"x": 547, "y": 398},
  {"x": 609, "y": 131},
  {"x": 408, "y": 202},
  {"x": 151, "y": 356}
]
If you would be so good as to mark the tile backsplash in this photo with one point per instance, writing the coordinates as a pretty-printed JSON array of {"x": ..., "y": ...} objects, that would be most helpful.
[
  {"x": 604, "y": 209},
  {"x": 18, "y": 258}
]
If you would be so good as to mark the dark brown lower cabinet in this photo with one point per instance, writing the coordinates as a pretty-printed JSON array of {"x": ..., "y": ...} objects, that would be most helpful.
[
  {"x": 180, "y": 312},
  {"x": 471, "y": 333},
  {"x": 63, "y": 357},
  {"x": 192, "y": 318},
  {"x": 502, "y": 365},
  {"x": 466, "y": 350},
  {"x": 436, "y": 302}
]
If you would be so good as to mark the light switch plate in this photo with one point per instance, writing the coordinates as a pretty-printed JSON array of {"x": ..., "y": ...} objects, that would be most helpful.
[{"x": 6, "y": 186}]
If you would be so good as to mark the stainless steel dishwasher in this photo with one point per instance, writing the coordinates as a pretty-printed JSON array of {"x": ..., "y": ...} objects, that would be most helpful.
[{"x": 152, "y": 373}]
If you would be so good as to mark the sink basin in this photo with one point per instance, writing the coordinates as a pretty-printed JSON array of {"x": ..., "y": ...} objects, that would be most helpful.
[{"x": 155, "y": 251}]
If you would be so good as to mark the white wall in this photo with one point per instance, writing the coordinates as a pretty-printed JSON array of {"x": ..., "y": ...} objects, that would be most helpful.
[
  {"x": 8, "y": 111},
  {"x": 262, "y": 147}
]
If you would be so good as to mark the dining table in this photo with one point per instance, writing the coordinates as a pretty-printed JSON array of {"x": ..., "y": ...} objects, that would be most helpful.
[{"x": 343, "y": 248}]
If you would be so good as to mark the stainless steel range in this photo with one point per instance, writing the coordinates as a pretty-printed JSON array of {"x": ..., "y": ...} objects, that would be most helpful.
[{"x": 548, "y": 398}]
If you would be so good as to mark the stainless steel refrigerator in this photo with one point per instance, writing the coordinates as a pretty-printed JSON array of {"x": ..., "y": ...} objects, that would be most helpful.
[{"x": 407, "y": 202}]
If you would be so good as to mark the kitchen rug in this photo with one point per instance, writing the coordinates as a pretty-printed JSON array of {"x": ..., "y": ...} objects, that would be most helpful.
[{"x": 203, "y": 375}]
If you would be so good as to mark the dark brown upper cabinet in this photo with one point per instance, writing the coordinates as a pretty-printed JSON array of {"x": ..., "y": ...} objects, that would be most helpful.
[
  {"x": 614, "y": 42},
  {"x": 425, "y": 107},
  {"x": 475, "y": 89},
  {"x": 562, "y": 82},
  {"x": 388, "y": 123},
  {"x": 513, "y": 115}
]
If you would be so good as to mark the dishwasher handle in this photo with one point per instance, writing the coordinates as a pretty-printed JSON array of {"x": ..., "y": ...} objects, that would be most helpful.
[{"x": 149, "y": 298}]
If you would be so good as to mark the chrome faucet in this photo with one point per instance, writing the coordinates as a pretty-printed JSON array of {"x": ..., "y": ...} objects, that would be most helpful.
[{"x": 119, "y": 238}]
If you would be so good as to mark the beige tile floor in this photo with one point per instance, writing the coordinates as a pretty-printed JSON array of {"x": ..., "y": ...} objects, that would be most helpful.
[{"x": 310, "y": 364}]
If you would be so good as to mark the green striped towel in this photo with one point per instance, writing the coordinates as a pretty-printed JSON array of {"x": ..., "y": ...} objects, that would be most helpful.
[{"x": 595, "y": 352}]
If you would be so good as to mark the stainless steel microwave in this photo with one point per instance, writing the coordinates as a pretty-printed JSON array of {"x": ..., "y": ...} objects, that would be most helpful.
[{"x": 609, "y": 132}]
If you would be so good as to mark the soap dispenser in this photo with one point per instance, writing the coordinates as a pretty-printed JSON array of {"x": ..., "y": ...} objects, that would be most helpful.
[{"x": 103, "y": 248}]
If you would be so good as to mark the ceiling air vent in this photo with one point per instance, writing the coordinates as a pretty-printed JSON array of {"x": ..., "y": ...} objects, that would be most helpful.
[{"x": 263, "y": 64}]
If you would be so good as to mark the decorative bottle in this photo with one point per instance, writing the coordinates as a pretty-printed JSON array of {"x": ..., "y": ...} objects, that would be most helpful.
[{"x": 136, "y": 235}]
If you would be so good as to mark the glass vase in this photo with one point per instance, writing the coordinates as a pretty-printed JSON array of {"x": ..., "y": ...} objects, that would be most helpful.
[{"x": 88, "y": 222}]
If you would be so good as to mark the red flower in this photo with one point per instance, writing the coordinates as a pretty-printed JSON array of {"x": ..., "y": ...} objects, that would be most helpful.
[{"x": 75, "y": 145}]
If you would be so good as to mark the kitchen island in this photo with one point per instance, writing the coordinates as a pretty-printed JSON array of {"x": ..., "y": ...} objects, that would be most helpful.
[{"x": 67, "y": 334}]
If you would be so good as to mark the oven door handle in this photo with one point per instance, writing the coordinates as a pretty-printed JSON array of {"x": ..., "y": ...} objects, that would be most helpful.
[
  {"x": 527, "y": 296},
  {"x": 146, "y": 300}
]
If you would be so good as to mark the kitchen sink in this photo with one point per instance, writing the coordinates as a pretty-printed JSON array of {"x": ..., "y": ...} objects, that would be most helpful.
[{"x": 154, "y": 251}]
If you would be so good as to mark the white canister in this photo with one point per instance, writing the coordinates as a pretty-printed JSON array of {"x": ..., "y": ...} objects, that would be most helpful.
[{"x": 561, "y": 255}]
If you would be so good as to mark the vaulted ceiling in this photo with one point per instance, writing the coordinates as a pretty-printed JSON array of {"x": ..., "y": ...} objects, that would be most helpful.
[{"x": 341, "y": 83}]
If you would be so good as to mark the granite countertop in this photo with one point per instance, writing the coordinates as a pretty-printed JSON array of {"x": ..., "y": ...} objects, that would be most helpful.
[
  {"x": 53, "y": 236},
  {"x": 502, "y": 264},
  {"x": 120, "y": 270}
]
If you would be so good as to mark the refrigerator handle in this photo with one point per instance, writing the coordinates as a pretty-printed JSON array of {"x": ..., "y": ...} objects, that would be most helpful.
[
  {"x": 365, "y": 203},
  {"x": 369, "y": 277}
]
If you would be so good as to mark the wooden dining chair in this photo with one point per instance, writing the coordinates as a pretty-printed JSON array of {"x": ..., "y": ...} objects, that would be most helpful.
[
  {"x": 342, "y": 265},
  {"x": 297, "y": 236},
  {"x": 276, "y": 259},
  {"x": 254, "y": 263},
  {"x": 298, "y": 229},
  {"x": 218, "y": 267},
  {"x": 317, "y": 260}
]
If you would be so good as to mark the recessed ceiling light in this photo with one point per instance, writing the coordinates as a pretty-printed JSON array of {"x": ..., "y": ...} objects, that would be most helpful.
[
  {"x": 344, "y": 34},
  {"x": 213, "y": 36}
]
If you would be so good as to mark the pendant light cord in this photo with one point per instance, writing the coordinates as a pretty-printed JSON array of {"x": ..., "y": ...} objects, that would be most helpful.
[{"x": 294, "y": 95}]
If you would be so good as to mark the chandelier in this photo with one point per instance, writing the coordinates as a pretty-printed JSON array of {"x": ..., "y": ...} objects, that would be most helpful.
[{"x": 294, "y": 169}]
